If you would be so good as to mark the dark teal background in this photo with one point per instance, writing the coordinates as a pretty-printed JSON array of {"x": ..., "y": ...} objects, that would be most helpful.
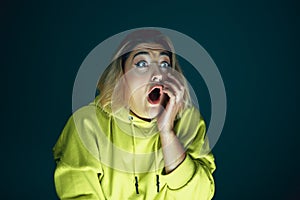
[{"x": 255, "y": 45}]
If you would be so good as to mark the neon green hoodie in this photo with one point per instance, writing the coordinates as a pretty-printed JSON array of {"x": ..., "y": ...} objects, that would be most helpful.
[{"x": 101, "y": 155}]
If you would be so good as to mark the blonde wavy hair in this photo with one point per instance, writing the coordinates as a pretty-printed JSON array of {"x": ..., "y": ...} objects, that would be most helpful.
[{"x": 115, "y": 70}]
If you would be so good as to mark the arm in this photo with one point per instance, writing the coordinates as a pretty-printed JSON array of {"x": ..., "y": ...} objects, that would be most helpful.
[
  {"x": 187, "y": 174},
  {"x": 173, "y": 151},
  {"x": 192, "y": 178},
  {"x": 78, "y": 173}
]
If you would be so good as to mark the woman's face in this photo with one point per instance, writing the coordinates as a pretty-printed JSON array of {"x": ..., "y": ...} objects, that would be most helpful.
[{"x": 145, "y": 71}]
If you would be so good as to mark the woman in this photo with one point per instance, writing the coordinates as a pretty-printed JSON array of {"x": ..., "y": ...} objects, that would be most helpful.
[{"x": 141, "y": 138}]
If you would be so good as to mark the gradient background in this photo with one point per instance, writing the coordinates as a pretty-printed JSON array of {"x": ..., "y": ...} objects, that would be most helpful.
[{"x": 254, "y": 44}]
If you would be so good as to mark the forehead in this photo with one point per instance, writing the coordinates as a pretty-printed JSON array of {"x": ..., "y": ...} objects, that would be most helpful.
[{"x": 150, "y": 48}]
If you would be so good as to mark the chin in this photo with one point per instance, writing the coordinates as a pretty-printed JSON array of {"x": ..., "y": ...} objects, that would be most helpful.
[{"x": 154, "y": 112}]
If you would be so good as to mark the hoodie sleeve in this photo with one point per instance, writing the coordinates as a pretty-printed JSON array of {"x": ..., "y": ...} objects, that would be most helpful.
[
  {"x": 192, "y": 179},
  {"x": 78, "y": 172}
]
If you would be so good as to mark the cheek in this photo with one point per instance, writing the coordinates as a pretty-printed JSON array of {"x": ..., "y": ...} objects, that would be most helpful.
[
  {"x": 136, "y": 82},
  {"x": 134, "y": 89},
  {"x": 137, "y": 90}
]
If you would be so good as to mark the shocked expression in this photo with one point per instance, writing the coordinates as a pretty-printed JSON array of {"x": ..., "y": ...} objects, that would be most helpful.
[{"x": 145, "y": 70}]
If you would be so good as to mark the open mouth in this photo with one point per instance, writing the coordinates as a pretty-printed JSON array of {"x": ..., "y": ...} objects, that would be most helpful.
[{"x": 155, "y": 94}]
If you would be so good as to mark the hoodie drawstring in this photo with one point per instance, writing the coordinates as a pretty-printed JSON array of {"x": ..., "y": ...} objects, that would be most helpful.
[
  {"x": 136, "y": 185},
  {"x": 133, "y": 148},
  {"x": 157, "y": 176},
  {"x": 157, "y": 183}
]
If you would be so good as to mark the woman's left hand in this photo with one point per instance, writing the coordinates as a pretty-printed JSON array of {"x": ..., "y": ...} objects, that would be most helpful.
[{"x": 175, "y": 90}]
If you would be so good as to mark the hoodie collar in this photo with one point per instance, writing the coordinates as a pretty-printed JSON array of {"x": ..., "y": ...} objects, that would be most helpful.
[{"x": 127, "y": 121}]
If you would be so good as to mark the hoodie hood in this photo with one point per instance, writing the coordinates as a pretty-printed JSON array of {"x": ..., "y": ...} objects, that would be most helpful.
[
  {"x": 124, "y": 119},
  {"x": 122, "y": 139}
]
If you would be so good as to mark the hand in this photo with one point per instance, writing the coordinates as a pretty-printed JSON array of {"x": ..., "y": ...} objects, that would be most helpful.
[{"x": 175, "y": 90}]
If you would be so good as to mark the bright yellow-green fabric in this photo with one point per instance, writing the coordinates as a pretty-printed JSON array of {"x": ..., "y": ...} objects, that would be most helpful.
[{"x": 90, "y": 167}]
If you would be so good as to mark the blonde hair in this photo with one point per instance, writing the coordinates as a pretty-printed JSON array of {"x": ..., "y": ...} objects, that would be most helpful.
[{"x": 114, "y": 71}]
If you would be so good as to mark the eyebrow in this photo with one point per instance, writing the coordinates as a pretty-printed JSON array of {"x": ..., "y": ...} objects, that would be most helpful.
[
  {"x": 163, "y": 53},
  {"x": 140, "y": 53}
]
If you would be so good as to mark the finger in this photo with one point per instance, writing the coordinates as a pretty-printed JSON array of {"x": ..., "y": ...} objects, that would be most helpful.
[
  {"x": 171, "y": 86},
  {"x": 176, "y": 98},
  {"x": 170, "y": 94},
  {"x": 180, "y": 87},
  {"x": 176, "y": 91},
  {"x": 176, "y": 80}
]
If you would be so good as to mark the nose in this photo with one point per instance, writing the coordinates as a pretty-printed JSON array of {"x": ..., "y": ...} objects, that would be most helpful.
[
  {"x": 156, "y": 74},
  {"x": 156, "y": 78}
]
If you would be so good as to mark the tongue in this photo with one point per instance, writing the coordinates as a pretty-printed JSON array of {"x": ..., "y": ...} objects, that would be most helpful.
[{"x": 154, "y": 94}]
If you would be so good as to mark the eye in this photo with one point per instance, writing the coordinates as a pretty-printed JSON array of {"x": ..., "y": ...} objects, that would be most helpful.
[
  {"x": 141, "y": 64},
  {"x": 164, "y": 64}
]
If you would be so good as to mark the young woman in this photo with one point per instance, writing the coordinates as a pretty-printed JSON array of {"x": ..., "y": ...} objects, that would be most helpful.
[{"x": 141, "y": 138}]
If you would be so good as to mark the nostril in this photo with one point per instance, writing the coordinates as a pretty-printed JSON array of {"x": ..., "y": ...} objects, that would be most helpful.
[{"x": 156, "y": 78}]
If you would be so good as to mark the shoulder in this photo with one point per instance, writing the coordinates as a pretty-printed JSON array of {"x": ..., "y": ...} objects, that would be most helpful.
[
  {"x": 89, "y": 116},
  {"x": 190, "y": 116},
  {"x": 190, "y": 125},
  {"x": 80, "y": 134}
]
